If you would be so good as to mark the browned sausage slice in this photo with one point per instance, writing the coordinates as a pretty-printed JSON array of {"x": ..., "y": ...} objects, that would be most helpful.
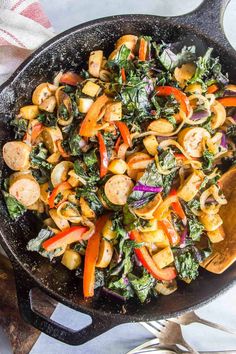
[
  {"x": 118, "y": 188},
  {"x": 24, "y": 188},
  {"x": 16, "y": 155}
]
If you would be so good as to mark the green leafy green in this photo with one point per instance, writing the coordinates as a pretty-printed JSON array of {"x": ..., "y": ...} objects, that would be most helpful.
[
  {"x": 231, "y": 132},
  {"x": 186, "y": 264},
  {"x": 170, "y": 60},
  {"x": 90, "y": 158},
  {"x": 74, "y": 142},
  {"x": 194, "y": 225},
  {"x": 38, "y": 157},
  {"x": 36, "y": 244},
  {"x": 15, "y": 208},
  {"x": 20, "y": 127},
  {"x": 99, "y": 278},
  {"x": 208, "y": 159},
  {"x": 91, "y": 197},
  {"x": 90, "y": 177},
  {"x": 47, "y": 119},
  {"x": 167, "y": 159},
  {"x": 142, "y": 285},
  {"x": 122, "y": 286}
]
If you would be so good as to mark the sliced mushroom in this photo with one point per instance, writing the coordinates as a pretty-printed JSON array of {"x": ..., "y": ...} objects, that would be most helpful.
[
  {"x": 60, "y": 172},
  {"x": 29, "y": 112},
  {"x": 50, "y": 135},
  {"x": 42, "y": 92},
  {"x": 49, "y": 104}
]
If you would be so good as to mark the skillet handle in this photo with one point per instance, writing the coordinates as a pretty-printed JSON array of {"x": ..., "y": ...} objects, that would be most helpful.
[
  {"x": 24, "y": 285},
  {"x": 207, "y": 18}
]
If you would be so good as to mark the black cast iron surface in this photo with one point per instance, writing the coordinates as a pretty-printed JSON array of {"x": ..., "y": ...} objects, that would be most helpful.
[{"x": 70, "y": 50}]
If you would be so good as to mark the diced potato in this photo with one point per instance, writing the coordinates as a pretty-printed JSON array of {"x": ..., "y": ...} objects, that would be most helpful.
[
  {"x": 166, "y": 287},
  {"x": 107, "y": 232},
  {"x": 190, "y": 187},
  {"x": 184, "y": 73},
  {"x": 129, "y": 40},
  {"x": 164, "y": 257},
  {"x": 95, "y": 62},
  {"x": 85, "y": 209},
  {"x": 91, "y": 89},
  {"x": 54, "y": 158},
  {"x": 71, "y": 259},
  {"x": 105, "y": 254},
  {"x": 217, "y": 235},
  {"x": 84, "y": 104},
  {"x": 211, "y": 222},
  {"x": 113, "y": 111},
  {"x": 113, "y": 54},
  {"x": 151, "y": 226},
  {"x": 151, "y": 144},
  {"x": 161, "y": 125},
  {"x": 193, "y": 89},
  {"x": 29, "y": 112},
  {"x": 73, "y": 179},
  {"x": 187, "y": 280},
  {"x": 61, "y": 223},
  {"x": 117, "y": 166},
  {"x": 158, "y": 237},
  {"x": 49, "y": 104}
]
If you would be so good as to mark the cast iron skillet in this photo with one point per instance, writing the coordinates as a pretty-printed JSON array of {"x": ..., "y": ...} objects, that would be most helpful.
[{"x": 70, "y": 50}]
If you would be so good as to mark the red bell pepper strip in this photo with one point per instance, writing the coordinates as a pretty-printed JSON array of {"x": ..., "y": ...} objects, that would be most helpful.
[
  {"x": 123, "y": 75},
  {"x": 117, "y": 144},
  {"x": 228, "y": 101},
  {"x": 212, "y": 89},
  {"x": 89, "y": 125},
  {"x": 62, "y": 150},
  {"x": 179, "y": 96},
  {"x": 143, "y": 46},
  {"x": 91, "y": 256},
  {"x": 65, "y": 237},
  {"x": 70, "y": 78},
  {"x": 103, "y": 156},
  {"x": 180, "y": 156},
  {"x": 148, "y": 263},
  {"x": 170, "y": 231},
  {"x": 58, "y": 189},
  {"x": 124, "y": 131},
  {"x": 177, "y": 207}
]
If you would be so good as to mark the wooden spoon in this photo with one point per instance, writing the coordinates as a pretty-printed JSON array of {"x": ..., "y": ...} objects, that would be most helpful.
[{"x": 224, "y": 252}]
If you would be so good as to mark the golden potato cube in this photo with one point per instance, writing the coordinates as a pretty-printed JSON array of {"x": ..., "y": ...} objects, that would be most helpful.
[
  {"x": 190, "y": 187},
  {"x": 194, "y": 88},
  {"x": 211, "y": 222},
  {"x": 29, "y": 112},
  {"x": 217, "y": 235},
  {"x": 164, "y": 257},
  {"x": 113, "y": 111},
  {"x": 85, "y": 209},
  {"x": 152, "y": 225},
  {"x": 91, "y": 89},
  {"x": 151, "y": 144},
  {"x": 84, "y": 104},
  {"x": 166, "y": 287},
  {"x": 117, "y": 166},
  {"x": 107, "y": 231},
  {"x": 158, "y": 237},
  {"x": 71, "y": 259}
]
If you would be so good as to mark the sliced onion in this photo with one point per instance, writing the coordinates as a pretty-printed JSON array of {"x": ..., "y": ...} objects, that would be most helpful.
[
  {"x": 122, "y": 151},
  {"x": 183, "y": 238},
  {"x": 161, "y": 169},
  {"x": 91, "y": 227},
  {"x": 60, "y": 172},
  {"x": 223, "y": 140},
  {"x": 195, "y": 164},
  {"x": 220, "y": 199},
  {"x": 211, "y": 209},
  {"x": 69, "y": 212},
  {"x": 229, "y": 93},
  {"x": 144, "y": 188}
]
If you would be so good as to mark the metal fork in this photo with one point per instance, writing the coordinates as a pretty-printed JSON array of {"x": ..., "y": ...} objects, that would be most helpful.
[
  {"x": 168, "y": 333},
  {"x": 192, "y": 317}
]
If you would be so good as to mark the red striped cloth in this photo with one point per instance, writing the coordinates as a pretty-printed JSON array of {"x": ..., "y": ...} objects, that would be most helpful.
[{"x": 23, "y": 27}]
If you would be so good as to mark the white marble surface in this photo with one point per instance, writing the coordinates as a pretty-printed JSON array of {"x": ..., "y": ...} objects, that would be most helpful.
[{"x": 63, "y": 15}]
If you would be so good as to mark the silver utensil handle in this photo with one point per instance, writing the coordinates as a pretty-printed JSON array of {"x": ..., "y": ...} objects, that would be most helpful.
[
  {"x": 217, "y": 326},
  {"x": 187, "y": 346}
]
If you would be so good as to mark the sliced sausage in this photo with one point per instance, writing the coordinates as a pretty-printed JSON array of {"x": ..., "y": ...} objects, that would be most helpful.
[
  {"x": 16, "y": 155},
  {"x": 50, "y": 135},
  {"x": 24, "y": 188},
  {"x": 118, "y": 188}
]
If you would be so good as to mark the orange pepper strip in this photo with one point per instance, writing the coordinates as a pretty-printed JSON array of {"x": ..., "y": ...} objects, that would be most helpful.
[
  {"x": 123, "y": 75},
  {"x": 65, "y": 237},
  {"x": 89, "y": 125},
  {"x": 179, "y": 96},
  {"x": 212, "y": 89},
  {"x": 70, "y": 78},
  {"x": 117, "y": 144},
  {"x": 148, "y": 263},
  {"x": 170, "y": 231},
  {"x": 58, "y": 189},
  {"x": 177, "y": 207},
  {"x": 142, "y": 49},
  {"x": 61, "y": 150},
  {"x": 228, "y": 101},
  {"x": 91, "y": 256},
  {"x": 103, "y": 156},
  {"x": 36, "y": 130},
  {"x": 124, "y": 131}
]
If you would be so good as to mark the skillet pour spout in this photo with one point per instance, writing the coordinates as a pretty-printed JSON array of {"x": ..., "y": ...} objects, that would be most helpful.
[{"x": 203, "y": 28}]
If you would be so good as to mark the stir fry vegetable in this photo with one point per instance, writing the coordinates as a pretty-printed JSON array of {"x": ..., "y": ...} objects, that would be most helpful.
[{"x": 121, "y": 161}]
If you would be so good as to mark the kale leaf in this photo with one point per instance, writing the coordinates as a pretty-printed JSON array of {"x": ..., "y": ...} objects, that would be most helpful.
[
  {"x": 170, "y": 60},
  {"x": 142, "y": 285},
  {"x": 186, "y": 264},
  {"x": 15, "y": 208},
  {"x": 208, "y": 159},
  {"x": 47, "y": 119},
  {"x": 36, "y": 244},
  {"x": 38, "y": 157},
  {"x": 195, "y": 227},
  {"x": 20, "y": 127}
]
